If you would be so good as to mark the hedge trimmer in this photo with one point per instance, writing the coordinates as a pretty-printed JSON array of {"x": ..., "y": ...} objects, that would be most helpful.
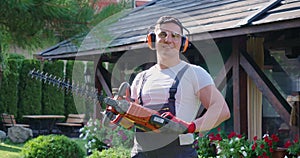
[{"x": 120, "y": 109}]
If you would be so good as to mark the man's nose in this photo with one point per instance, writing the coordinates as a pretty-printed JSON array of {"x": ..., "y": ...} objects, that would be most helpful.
[{"x": 169, "y": 37}]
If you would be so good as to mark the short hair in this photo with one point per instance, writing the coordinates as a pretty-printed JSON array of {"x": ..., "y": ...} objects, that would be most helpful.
[{"x": 169, "y": 19}]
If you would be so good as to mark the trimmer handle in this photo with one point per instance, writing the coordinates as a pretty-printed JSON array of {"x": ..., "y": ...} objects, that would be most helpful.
[{"x": 116, "y": 105}]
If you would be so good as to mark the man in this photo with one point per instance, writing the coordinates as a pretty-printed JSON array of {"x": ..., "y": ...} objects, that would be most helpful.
[{"x": 175, "y": 88}]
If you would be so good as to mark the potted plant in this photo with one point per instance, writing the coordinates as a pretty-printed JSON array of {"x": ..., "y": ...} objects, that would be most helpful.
[
  {"x": 205, "y": 148},
  {"x": 100, "y": 137},
  {"x": 293, "y": 147},
  {"x": 231, "y": 145},
  {"x": 221, "y": 144},
  {"x": 263, "y": 148}
]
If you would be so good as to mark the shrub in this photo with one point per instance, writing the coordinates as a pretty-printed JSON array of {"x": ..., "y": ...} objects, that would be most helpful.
[
  {"x": 30, "y": 92},
  {"x": 116, "y": 152},
  {"x": 52, "y": 97},
  {"x": 100, "y": 137},
  {"x": 52, "y": 146}
]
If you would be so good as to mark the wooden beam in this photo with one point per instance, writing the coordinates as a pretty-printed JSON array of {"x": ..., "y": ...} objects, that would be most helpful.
[
  {"x": 266, "y": 87},
  {"x": 103, "y": 83},
  {"x": 243, "y": 101},
  {"x": 236, "y": 87},
  {"x": 220, "y": 80}
]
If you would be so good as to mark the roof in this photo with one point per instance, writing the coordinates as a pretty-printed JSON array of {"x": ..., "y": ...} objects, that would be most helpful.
[{"x": 203, "y": 18}]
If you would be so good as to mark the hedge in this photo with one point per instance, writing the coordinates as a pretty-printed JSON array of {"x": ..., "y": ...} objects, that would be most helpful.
[
  {"x": 75, "y": 74},
  {"x": 29, "y": 89},
  {"x": 9, "y": 89},
  {"x": 52, "y": 96}
]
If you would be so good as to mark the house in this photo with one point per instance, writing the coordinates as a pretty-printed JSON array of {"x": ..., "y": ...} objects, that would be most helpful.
[{"x": 251, "y": 48}]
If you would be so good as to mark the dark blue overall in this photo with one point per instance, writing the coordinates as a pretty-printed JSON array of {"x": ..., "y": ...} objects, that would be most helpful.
[{"x": 162, "y": 145}]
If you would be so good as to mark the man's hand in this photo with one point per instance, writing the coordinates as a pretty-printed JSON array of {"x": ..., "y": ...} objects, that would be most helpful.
[{"x": 177, "y": 125}]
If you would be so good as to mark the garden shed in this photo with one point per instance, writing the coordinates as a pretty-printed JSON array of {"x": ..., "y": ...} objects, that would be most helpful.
[{"x": 251, "y": 48}]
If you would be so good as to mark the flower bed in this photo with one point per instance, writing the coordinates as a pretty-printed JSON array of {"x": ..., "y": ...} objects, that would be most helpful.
[{"x": 234, "y": 145}]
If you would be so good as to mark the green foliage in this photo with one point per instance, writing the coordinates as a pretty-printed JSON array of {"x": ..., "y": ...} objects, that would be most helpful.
[
  {"x": 293, "y": 146},
  {"x": 29, "y": 23},
  {"x": 100, "y": 137},
  {"x": 53, "y": 97},
  {"x": 116, "y": 152},
  {"x": 70, "y": 107},
  {"x": 265, "y": 146},
  {"x": 77, "y": 73},
  {"x": 205, "y": 147},
  {"x": 29, "y": 89},
  {"x": 15, "y": 56},
  {"x": 9, "y": 89},
  {"x": 52, "y": 146}
]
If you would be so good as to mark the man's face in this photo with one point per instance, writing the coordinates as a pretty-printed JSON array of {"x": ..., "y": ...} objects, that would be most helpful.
[{"x": 168, "y": 38}]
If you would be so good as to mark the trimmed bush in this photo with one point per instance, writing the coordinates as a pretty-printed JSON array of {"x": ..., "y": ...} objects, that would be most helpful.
[
  {"x": 52, "y": 146},
  {"x": 116, "y": 152},
  {"x": 70, "y": 107},
  {"x": 29, "y": 89},
  {"x": 9, "y": 90},
  {"x": 53, "y": 97},
  {"x": 77, "y": 75}
]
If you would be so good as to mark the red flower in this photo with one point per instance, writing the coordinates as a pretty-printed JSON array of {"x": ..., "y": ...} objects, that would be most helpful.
[
  {"x": 232, "y": 134},
  {"x": 275, "y": 138},
  {"x": 254, "y": 146},
  {"x": 255, "y": 138},
  {"x": 287, "y": 144}
]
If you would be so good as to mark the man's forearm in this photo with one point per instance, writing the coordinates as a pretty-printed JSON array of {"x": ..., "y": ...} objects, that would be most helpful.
[{"x": 213, "y": 117}]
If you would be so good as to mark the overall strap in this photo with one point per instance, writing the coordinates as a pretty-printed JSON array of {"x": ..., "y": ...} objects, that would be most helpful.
[
  {"x": 141, "y": 88},
  {"x": 173, "y": 89}
]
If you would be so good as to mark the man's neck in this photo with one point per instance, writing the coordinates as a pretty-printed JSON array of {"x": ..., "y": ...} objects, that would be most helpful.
[{"x": 164, "y": 64}]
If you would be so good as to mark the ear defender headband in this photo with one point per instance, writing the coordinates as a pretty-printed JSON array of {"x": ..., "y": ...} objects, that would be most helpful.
[{"x": 151, "y": 37}]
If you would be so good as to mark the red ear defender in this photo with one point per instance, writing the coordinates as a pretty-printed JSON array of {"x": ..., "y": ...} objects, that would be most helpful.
[
  {"x": 151, "y": 40},
  {"x": 184, "y": 44}
]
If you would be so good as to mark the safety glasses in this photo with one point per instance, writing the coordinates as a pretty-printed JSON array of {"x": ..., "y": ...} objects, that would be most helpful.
[{"x": 164, "y": 34}]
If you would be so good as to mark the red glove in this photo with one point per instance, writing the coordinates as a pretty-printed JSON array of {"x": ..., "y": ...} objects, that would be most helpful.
[{"x": 189, "y": 127}]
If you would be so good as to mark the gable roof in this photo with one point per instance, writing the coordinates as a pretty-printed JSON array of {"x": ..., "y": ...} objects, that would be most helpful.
[{"x": 219, "y": 18}]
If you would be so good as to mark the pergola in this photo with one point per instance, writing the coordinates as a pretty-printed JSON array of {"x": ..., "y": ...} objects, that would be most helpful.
[{"x": 247, "y": 33}]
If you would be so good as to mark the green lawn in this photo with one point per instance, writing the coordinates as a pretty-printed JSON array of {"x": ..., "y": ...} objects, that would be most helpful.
[{"x": 12, "y": 150}]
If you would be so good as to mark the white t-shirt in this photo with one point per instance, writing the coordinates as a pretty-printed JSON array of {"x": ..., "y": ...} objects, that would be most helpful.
[{"x": 158, "y": 82}]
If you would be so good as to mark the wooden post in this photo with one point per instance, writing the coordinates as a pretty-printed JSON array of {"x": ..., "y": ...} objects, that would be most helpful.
[{"x": 239, "y": 87}]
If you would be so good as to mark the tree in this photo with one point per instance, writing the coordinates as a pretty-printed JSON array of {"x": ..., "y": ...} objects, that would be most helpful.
[{"x": 38, "y": 23}]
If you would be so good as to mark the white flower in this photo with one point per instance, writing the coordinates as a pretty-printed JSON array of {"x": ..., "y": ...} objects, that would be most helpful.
[
  {"x": 93, "y": 140},
  {"x": 85, "y": 137},
  {"x": 237, "y": 139},
  {"x": 81, "y": 129},
  {"x": 242, "y": 148},
  {"x": 231, "y": 149},
  {"x": 95, "y": 129},
  {"x": 81, "y": 135},
  {"x": 266, "y": 135},
  {"x": 244, "y": 153}
]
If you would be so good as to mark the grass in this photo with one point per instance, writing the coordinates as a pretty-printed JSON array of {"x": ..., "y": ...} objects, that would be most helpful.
[{"x": 12, "y": 150}]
